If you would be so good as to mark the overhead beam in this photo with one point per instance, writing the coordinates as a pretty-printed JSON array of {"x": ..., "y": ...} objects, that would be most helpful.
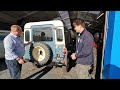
[
  {"x": 61, "y": 18},
  {"x": 6, "y": 18},
  {"x": 86, "y": 14},
  {"x": 97, "y": 29},
  {"x": 73, "y": 17},
  {"x": 64, "y": 18},
  {"x": 28, "y": 14}
]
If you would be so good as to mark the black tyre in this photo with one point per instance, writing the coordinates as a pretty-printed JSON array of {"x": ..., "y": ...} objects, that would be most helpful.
[{"x": 40, "y": 53}]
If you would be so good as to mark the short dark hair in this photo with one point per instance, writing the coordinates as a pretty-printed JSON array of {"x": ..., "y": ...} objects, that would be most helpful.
[
  {"x": 79, "y": 21},
  {"x": 42, "y": 34}
]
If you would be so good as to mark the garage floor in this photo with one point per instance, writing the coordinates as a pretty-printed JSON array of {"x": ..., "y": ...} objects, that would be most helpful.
[{"x": 31, "y": 72}]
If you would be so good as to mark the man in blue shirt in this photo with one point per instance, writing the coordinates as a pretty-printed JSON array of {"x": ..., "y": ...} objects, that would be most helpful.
[
  {"x": 84, "y": 50},
  {"x": 14, "y": 51}
]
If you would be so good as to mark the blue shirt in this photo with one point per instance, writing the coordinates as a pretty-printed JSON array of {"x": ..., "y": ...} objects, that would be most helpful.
[{"x": 14, "y": 47}]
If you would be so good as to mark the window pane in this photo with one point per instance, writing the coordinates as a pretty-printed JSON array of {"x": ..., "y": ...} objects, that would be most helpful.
[
  {"x": 27, "y": 36},
  {"x": 59, "y": 35},
  {"x": 42, "y": 33}
]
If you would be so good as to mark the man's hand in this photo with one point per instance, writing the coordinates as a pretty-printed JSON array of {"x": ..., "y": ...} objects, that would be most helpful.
[
  {"x": 21, "y": 61},
  {"x": 29, "y": 42},
  {"x": 73, "y": 56}
]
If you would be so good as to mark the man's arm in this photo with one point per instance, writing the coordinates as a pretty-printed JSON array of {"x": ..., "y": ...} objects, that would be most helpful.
[
  {"x": 9, "y": 46},
  {"x": 28, "y": 43},
  {"x": 87, "y": 48}
]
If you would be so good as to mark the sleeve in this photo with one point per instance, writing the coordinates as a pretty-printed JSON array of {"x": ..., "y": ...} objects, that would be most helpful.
[
  {"x": 25, "y": 44},
  {"x": 9, "y": 46},
  {"x": 87, "y": 48}
]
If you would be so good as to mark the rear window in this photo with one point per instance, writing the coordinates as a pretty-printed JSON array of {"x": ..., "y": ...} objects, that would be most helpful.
[
  {"x": 42, "y": 33},
  {"x": 27, "y": 35},
  {"x": 59, "y": 35}
]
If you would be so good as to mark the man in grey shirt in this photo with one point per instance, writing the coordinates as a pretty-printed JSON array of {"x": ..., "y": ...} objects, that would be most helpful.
[
  {"x": 14, "y": 51},
  {"x": 84, "y": 50}
]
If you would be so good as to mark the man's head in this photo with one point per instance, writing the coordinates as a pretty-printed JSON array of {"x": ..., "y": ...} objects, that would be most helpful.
[
  {"x": 16, "y": 30},
  {"x": 42, "y": 34},
  {"x": 79, "y": 25}
]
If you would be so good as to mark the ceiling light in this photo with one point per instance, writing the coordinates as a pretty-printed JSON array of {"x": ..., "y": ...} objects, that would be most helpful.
[
  {"x": 89, "y": 25},
  {"x": 100, "y": 15}
]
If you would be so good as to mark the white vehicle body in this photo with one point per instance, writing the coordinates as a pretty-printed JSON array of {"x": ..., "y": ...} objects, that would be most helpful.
[{"x": 52, "y": 49}]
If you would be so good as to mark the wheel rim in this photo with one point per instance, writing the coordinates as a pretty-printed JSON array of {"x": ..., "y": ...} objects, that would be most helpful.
[{"x": 38, "y": 53}]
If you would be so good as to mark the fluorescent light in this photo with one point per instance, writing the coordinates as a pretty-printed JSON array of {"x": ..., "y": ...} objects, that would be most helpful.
[
  {"x": 100, "y": 15},
  {"x": 89, "y": 25}
]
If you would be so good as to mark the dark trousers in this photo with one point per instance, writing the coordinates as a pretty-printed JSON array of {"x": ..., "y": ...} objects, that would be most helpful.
[{"x": 14, "y": 68}]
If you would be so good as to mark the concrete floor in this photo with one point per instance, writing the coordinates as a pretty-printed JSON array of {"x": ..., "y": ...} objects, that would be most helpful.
[{"x": 31, "y": 72}]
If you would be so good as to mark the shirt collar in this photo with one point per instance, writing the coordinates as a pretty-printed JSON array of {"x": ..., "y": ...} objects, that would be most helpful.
[
  {"x": 78, "y": 34},
  {"x": 81, "y": 32},
  {"x": 13, "y": 35}
]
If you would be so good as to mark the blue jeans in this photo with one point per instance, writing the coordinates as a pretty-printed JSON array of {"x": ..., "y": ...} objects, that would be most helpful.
[{"x": 14, "y": 68}]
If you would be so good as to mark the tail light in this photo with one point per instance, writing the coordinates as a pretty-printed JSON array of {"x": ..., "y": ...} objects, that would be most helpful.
[{"x": 64, "y": 50}]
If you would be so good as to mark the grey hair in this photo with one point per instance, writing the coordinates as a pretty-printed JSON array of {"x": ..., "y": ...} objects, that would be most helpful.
[{"x": 15, "y": 26}]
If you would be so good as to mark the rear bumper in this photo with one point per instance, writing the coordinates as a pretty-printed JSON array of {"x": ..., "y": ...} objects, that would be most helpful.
[{"x": 59, "y": 62}]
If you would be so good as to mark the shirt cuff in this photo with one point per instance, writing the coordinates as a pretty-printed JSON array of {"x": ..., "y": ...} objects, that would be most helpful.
[
  {"x": 76, "y": 55},
  {"x": 17, "y": 58}
]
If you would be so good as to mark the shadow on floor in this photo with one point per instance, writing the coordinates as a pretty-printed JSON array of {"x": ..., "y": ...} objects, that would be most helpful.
[
  {"x": 2, "y": 64},
  {"x": 40, "y": 73},
  {"x": 72, "y": 64}
]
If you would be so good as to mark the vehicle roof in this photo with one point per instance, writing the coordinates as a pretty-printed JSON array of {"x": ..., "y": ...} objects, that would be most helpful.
[{"x": 54, "y": 22}]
